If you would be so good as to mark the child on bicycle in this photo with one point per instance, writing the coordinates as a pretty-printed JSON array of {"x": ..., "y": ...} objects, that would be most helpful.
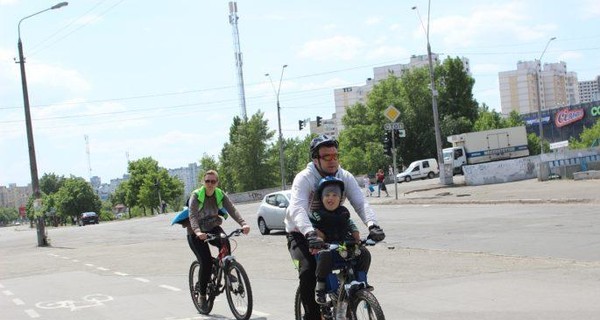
[{"x": 332, "y": 224}]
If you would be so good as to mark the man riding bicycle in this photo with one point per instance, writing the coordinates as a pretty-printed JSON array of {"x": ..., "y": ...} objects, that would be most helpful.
[{"x": 301, "y": 234}]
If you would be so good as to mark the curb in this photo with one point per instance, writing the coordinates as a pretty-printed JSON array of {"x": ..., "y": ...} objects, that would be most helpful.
[{"x": 438, "y": 201}]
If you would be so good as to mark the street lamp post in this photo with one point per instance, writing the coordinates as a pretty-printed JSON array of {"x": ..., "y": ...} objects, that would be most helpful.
[
  {"x": 434, "y": 106},
  {"x": 281, "y": 160},
  {"x": 539, "y": 95},
  {"x": 35, "y": 185}
]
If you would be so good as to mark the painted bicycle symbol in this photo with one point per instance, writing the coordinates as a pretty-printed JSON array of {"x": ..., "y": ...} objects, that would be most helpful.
[{"x": 91, "y": 300}]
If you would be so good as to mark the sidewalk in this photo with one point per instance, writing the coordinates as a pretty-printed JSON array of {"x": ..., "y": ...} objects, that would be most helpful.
[{"x": 529, "y": 191}]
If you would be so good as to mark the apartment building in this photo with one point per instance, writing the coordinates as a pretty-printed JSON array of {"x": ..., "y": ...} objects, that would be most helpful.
[
  {"x": 529, "y": 88},
  {"x": 348, "y": 96},
  {"x": 589, "y": 90}
]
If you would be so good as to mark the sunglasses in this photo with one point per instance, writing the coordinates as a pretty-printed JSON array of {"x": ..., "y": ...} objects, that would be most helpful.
[
  {"x": 210, "y": 181},
  {"x": 330, "y": 157}
]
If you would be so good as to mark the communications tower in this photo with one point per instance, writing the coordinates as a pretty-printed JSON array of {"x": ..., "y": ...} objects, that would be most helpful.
[
  {"x": 87, "y": 150},
  {"x": 233, "y": 18}
]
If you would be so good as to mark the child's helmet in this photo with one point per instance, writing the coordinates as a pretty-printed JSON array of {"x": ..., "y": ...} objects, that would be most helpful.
[{"x": 327, "y": 181}]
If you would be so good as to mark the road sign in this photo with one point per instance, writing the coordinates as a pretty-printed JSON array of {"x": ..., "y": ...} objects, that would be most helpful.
[
  {"x": 401, "y": 133},
  {"x": 393, "y": 126},
  {"x": 391, "y": 113}
]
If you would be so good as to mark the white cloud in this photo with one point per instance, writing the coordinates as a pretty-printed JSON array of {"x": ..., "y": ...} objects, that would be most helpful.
[
  {"x": 373, "y": 21},
  {"x": 55, "y": 76},
  {"x": 591, "y": 9},
  {"x": 570, "y": 56},
  {"x": 387, "y": 52},
  {"x": 334, "y": 48}
]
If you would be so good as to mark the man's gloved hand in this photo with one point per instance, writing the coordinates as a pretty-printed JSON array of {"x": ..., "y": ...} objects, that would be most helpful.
[
  {"x": 376, "y": 233},
  {"x": 314, "y": 242}
]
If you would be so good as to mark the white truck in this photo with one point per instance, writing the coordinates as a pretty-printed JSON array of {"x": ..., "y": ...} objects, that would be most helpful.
[{"x": 485, "y": 146}]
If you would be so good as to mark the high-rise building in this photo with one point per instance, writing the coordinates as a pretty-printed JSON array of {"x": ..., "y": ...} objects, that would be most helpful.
[
  {"x": 348, "y": 96},
  {"x": 589, "y": 90},
  {"x": 530, "y": 88}
]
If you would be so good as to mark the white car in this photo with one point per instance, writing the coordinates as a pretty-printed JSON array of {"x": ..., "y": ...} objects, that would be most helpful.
[
  {"x": 421, "y": 169},
  {"x": 271, "y": 211}
]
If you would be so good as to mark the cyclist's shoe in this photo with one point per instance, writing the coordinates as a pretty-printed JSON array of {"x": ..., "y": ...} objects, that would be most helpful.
[
  {"x": 320, "y": 297},
  {"x": 369, "y": 287}
]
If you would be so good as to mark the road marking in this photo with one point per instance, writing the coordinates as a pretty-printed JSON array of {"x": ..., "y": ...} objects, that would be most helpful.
[
  {"x": 18, "y": 302},
  {"x": 142, "y": 280},
  {"x": 121, "y": 273},
  {"x": 261, "y": 314},
  {"x": 164, "y": 286},
  {"x": 102, "y": 269},
  {"x": 8, "y": 293},
  {"x": 75, "y": 260},
  {"x": 32, "y": 314},
  {"x": 53, "y": 255},
  {"x": 66, "y": 258},
  {"x": 89, "y": 264}
]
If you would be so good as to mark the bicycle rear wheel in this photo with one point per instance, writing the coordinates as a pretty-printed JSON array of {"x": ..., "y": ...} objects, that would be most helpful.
[
  {"x": 364, "y": 306},
  {"x": 238, "y": 290},
  {"x": 194, "y": 283}
]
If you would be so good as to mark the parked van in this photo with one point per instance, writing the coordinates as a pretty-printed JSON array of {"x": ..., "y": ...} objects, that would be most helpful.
[{"x": 420, "y": 169}]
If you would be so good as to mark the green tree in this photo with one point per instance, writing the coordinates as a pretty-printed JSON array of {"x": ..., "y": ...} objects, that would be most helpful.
[
  {"x": 8, "y": 215},
  {"x": 588, "y": 138},
  {"x": 456, "y": 92},
  {"x": 76, "y": 196},
  {"x": 50, "y": 183},
  {"x": 146, "y": 178},
  {"x": 244, "y": 159},
  {"x": 488, "y": 119},
  {"x": 297, "y": 155}
]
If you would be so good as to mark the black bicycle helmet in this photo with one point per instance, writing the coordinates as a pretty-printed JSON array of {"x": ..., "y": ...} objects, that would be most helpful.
[
  {"x": 321, "y": 141},
  {"x": 327, "y": 181}
]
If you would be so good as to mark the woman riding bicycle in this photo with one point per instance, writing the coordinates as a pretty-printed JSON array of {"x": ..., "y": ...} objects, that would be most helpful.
[
  {"x": 208, "y": 206},
  {"x": 332, "y": 223}
]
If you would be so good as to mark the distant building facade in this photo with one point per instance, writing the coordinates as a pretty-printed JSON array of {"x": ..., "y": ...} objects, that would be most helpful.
[
  {"x": 589, "y": 90},
  {"x": 348, "y": 96},
  {"x": 529, "y": 88}
]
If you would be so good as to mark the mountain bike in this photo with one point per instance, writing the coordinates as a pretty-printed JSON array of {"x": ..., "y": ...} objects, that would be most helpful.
[
  {"x": 227, "y": 275},
  {"x": 347, "y": 297}
]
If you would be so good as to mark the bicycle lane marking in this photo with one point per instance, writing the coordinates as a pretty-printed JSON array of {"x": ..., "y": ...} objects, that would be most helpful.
[
  {"x": 18, "y": 302},
  {"x": 119, "y": 273}
]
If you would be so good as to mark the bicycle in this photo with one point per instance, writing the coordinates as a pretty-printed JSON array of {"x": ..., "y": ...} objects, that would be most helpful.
[
  {"x": 353, "y": 299},
  {"x": 227, "y": 275}
]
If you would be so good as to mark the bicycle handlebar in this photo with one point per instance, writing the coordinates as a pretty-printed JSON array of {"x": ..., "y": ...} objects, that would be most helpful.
[
  {"x": 234, "y": 233},
  {"x": 335, "y": 246}
]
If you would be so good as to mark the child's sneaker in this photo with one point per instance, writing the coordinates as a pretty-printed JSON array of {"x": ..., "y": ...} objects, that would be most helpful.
[{"x": 320, "y": 297}]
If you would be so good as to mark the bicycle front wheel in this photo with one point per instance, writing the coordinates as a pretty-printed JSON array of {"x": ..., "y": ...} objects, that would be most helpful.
[
  {"x": 364, "y": 306},
  {"x": 194, "y": 283},
  {"x": 238, "y": 290}
]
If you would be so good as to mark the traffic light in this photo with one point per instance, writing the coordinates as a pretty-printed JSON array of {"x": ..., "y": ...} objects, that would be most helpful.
[
  {"x": 300, "y": 124},
  {"x": 319, "y": 121},
  {"x": 387, "y": 143}
]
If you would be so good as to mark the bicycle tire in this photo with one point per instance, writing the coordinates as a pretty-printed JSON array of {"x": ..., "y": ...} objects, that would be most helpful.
[
  {"x": 194, "y": 278},
  {"x": 238, "y": 290},
  {"x": 364, "y": 305},
  {"x": 298, "y": 305}
]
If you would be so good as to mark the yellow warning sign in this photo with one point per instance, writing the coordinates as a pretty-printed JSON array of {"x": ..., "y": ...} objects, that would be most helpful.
[{"x": 391, "y": 113}]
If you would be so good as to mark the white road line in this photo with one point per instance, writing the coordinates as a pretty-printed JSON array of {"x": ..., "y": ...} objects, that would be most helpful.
[
  {"x": 121, "y": 273},
  {"x": 53, "y": 255},
  {"x": 75, "y": 260},
  {"x": 164, "y": 286},
  {"x": 32, "y": 314},
  {"x": 18, "y": 302},
  {"x": 142, "y": 280},
  {"x": 8, "y": 293},
  {"x": 89, "y": 264},
  {"x": 66, "y": 258},
  {"x": 102, "y": 269},
  {"x": 260, "y": 314}
]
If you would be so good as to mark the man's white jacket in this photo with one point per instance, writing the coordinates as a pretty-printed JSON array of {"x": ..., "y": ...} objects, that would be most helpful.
[{"x": 303, "y": 190}]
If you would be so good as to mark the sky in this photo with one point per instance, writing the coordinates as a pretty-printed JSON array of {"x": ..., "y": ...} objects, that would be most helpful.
[{"x": 158, "y": 78}]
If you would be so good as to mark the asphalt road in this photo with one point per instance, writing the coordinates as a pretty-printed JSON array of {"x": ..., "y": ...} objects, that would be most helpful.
[{"x": 438, "y": 262}]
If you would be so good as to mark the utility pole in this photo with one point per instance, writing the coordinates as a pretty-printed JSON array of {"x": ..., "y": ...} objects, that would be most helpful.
[{"x": 233, "y": 18}]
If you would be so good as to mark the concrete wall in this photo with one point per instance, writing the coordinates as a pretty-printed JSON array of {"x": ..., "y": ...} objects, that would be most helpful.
[
  {"x": 501, "y": 171},
  {"x": 559, "y": 162}
]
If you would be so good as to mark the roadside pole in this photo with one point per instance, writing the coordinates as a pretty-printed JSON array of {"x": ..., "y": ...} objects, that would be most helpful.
[{"x": 391, "y": 113}]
